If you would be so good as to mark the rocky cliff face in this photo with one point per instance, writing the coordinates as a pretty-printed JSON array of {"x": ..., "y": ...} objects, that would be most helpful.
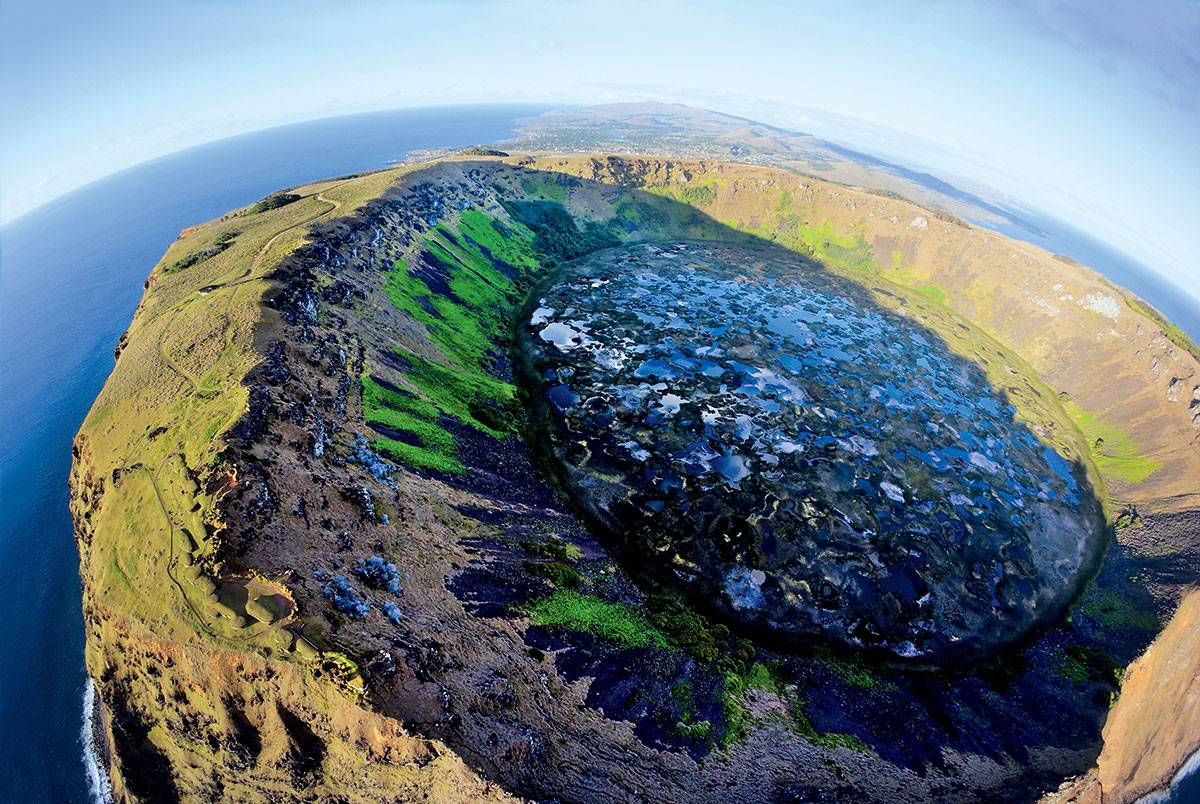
[{"x": 321, "y": 561}]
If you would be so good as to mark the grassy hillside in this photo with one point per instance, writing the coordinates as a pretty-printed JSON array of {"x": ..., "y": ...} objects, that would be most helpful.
[{"x": 172, "y": 633}]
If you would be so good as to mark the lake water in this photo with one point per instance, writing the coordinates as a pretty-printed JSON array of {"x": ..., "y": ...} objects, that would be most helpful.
[{"x": 71, "y": 274}]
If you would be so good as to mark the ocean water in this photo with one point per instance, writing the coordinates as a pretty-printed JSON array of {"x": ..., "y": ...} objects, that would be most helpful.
[{"x": 71, "y": 274}]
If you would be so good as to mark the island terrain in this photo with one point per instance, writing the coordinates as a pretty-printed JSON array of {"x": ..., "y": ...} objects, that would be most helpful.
[{"x": 676, "y": 473}]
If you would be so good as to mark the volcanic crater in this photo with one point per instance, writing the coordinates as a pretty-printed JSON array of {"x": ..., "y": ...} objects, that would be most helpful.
[{"x": 765, "y": 436}]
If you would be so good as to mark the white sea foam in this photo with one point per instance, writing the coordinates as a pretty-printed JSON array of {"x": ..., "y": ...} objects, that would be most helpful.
[{"x": 99, "y": 785}]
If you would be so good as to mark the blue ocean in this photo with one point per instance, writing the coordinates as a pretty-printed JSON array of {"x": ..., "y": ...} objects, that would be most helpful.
[{"x": 71, "y": 274}]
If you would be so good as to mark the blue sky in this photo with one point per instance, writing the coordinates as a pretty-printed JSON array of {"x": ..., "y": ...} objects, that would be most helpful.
[{"x": 1089, "y": 111}]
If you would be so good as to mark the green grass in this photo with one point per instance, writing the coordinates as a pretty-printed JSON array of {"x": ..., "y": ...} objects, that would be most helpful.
[
  {"x": 1113, "y": 610},
  {"x": 413, "y": 415},
  {"x": 467, "y": 326},
  {"x": 620, "y": 623},
  {"x": 486, "y": 264},
  {"x": 1114, "y": 451},
  {"x": 222, "y": 242},
  {"x": 542, "y": 188},
  {"x": 849, "y": 252},
  {"x": 828, "y": 739},
  {"x": 701, "y": 192},
  {"x": 852, "y": 670},
  {"x": 556, "y": 234},
  {"x": 1085, "y": 665},
  {"x": 845, "y": 251},
  {"x": 640, "y": 212},
  {"x": 932, "y": 292}
]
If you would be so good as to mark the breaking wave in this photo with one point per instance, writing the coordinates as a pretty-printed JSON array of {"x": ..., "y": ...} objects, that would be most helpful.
[{"x": 99, "y": 785}]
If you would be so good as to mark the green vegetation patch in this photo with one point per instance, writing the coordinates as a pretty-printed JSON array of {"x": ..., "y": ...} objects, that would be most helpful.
[
  {"x": 274, "y": 201},
  {"x": 559, "y": 573},
  {"x": 618, "y": 622},
  {"x": 223, "y": 241},
  {"x": 427, "y": 444},
  {"x": 1114, "y": 451},
  {"x": 700, "y": 192},
  {"x": 851, "y": 252},
  {"x": 696, "y": 635},
  {"x": 556, "y": 234},
  {"x": 556, "y": 548},
  {"x": 762, "y": 677},
  {"x": 545, "y": 189},
  {"x": 484, "y": 264},
  {"x": 852, "y": 670},
  {"x": 688, "y": 727},
  {"x": 1113, "y": 610},
  {"x": 636, "y": 212},
  {"x": 828, "y": 739},
  {"x": 931, "y": 292},
  {"x": 1080, "y": 664}
]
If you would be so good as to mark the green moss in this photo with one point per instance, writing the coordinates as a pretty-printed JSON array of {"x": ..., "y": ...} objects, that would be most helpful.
[
  {"x": 626, "y": 625},
  {"x": 696, "y": 730},
  {"x": 693, "y": 633},
  {"x": 560, "y": 574},
  {"x": 852, "y": 670},
  {"x": 563, "y": 551},
  {"x": 763, "y": 677},
  {"x": 687, "y": 727},
  {"x": 829, "y": 739},
  {"x": 1113, "y": 610},
  {"x": 1080, "y": 664},
  {"x": 555, "y": 233},
  {"x": 1114, "y": 451},
  {"x": 737, "y": 719}
]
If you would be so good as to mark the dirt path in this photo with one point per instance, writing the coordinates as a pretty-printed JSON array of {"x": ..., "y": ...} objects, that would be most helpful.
[{"x": 246, "y": 276}]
